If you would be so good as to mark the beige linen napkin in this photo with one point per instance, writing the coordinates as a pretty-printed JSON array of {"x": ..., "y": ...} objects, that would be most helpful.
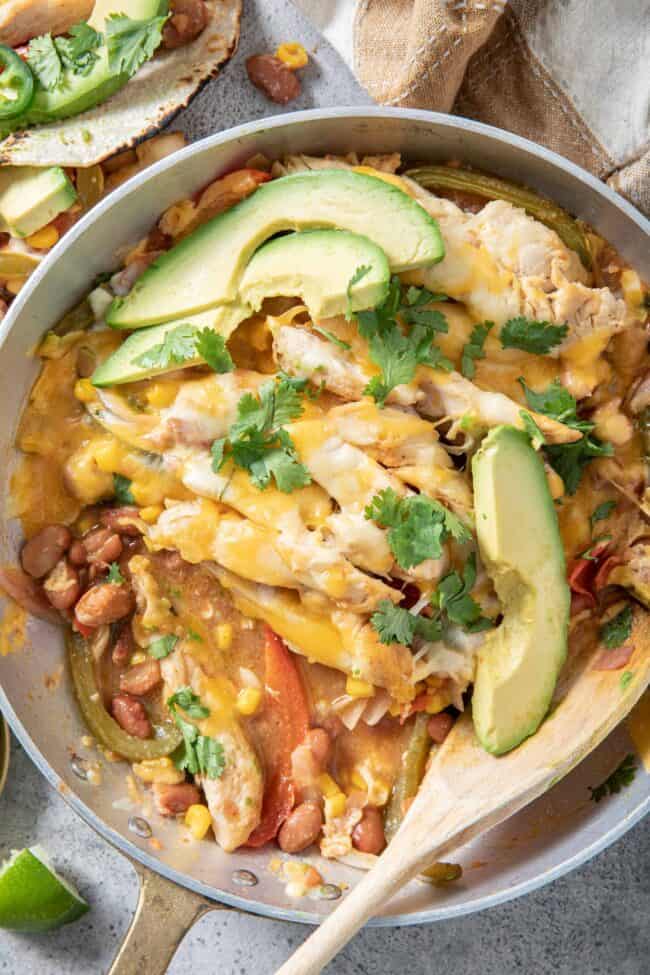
[{"x": 573, "y": 75}]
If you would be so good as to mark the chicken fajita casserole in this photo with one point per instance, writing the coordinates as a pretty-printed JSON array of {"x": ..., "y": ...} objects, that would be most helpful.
[{"x": 341, "y": 450}]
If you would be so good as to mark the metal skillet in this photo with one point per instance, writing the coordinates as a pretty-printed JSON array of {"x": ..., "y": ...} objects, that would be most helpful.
[{"x": 180, "y": 881}]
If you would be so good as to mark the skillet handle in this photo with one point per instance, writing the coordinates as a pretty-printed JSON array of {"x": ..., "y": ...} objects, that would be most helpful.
[{"x": 164, "y": 914}]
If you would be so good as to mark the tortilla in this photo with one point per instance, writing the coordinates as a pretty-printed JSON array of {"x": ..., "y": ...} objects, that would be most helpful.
[{"x": 151, "y": 99}]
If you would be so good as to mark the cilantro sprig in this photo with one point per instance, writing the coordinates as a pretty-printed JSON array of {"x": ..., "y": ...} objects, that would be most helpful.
[
  {"x": 162, "y": 646},
  {"x": 451, "y": 603},
  {"x": 183, "y": 344},
  {"x": 197, "y": 754},
  {"x": 539, "y": 338},
  {"x": 257, "y": 441},
  {"x": 567, "y": 459},
  {"x": 114, "y": 574},
  {"x": 417, "y": 525},
  {"x": 602, "y": 512},
  {"x": 616, "y": 631},
  {"x": 473, "y": 349},
  {"x": 622, "y": 775},
  {"x": 122, "y": 489},
  {"x": 131, "y": 42},
  {"x": 399, "y": 353}
]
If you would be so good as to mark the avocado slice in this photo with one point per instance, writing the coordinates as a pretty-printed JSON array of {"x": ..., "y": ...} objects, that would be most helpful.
[
  {"x": 318, "y": 266},
  {"x": 521, "y": 548},
  {"x": 204, "y": 269},
  {"x": 123, "y": 366},
  {"x": 31, "y": 197},
  {"x": 135, "y": 9}
]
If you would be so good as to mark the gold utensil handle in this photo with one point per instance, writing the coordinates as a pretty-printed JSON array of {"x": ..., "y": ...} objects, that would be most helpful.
[{"x": 164, "y": 914}]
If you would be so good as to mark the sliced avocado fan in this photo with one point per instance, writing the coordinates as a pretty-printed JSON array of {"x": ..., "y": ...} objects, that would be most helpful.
[
  {"x": 521, "y": 548},
  {"x": 332, "y": 271},
  {"x": 205, "y": 269}
]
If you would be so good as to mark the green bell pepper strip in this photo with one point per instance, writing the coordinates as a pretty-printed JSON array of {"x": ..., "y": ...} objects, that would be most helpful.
[
  {"x": 16, "y": 84},
  {"x": 105, "y": 729},
  {"x": 410, "y": 774},
  {"x": 468, "y": 181}
]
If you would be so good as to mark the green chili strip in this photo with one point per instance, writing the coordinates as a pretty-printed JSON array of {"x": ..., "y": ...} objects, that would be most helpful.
[
  {"x": 16, "y": 84},
  {"x": 105, "y": 729},
  {"x": 547, "y": 212},
  {"x": 410, "y": 774}
]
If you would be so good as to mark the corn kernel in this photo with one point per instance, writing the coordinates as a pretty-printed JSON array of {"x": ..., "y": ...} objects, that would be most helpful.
[
  {"x": 161, "y": 770},
  {"x": 293, "y": 55},
  {"x": 84, "y": 390},
  {"x": 436, "y": 702},
  {"x": 108, "y": 454},
  {"x": 327, "y": 785},
  {"x": 13, "y": 285},
  {"x": 160, "y": 395},
  {"x": 198, "y": 819},
  {"x": 151, "y": 513},
  {"x": 224, "y": 636},
  {"x": 145, "y": 491},
  {"x": 387, "y": 178},
  {"x": 334, "y": 806},
  {"x": 44, "y": 238},
  {"x": 249, "y": 700},
  {"x": 138, "y": 658},
  {"x": 358, "y": 781},
  {"x": 359, "y": 688}
]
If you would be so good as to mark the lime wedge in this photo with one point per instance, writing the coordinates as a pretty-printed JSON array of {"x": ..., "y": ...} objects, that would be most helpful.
[{"x": 33, "y": 897}]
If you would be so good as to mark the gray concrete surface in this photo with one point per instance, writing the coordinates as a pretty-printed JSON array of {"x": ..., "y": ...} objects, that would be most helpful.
[{"x": 594, "y": 921}]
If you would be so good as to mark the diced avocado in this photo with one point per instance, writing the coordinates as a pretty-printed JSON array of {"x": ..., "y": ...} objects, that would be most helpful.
[
  {"x": 77, "y": 93},
  {"x": 318, "y": 266},
  {"x": 31, "y": 197},
  {"x": 123, "y": 365},
  {"x": 205, "y": 268},
  {"x": 521, "y": 548}
]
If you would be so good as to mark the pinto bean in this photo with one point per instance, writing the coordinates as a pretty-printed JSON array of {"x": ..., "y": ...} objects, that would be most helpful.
[
  {"x": 41, "y": 553},
  {"x": 439, "y": 726},
  {"x": 301, "y": 828},
  {"x": 125, "y": 520},
  {"x": 171, "y": 800},
  {"x": 106, "y": 603},
  {"x": 273, "y": 78},
  {"x": 130, "y": 714},
  {"x": 62, "y": 586},
  {"x": 368, "y": 835},
  {"x": 123, "y": 646},
  {"x": 102, "y": 545},
  {"x": 141, "y": 678},
  {"x": 27, "y": 593},
  {"x": 188, "y": 18},
  {"x": 320, "y": 744},
  {"x": 77, "y": 553}
]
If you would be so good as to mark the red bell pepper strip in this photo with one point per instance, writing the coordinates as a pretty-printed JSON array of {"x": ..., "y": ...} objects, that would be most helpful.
[{"x": 287, "y": 702}]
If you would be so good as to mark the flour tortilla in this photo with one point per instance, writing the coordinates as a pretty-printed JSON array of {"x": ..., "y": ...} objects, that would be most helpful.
[{"x": 159, "y": 90}]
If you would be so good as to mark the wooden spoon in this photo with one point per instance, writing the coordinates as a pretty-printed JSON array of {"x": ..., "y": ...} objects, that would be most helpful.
[{"x": 466, "y": 791}]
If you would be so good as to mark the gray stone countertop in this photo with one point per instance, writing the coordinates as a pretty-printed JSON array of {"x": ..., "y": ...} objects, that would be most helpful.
[{"x": 594, "y": 921}]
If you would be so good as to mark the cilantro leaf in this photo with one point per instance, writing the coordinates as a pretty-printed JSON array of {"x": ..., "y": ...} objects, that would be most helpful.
[
  {"x": 212, "y": 347},
  {"x": 190, "y": 702},
  {"x": 114, "y": 574},
  {"x": 421, "y": 296},
  {"x": 163, "y": 646},
  {"x": 626, "y": 679},
  {"x": 473, "y": 349},
  {"x": 358, "y": 275},
  {"x": 258, "y": 444},
  {"x": 452, "y": 598},
  {"x": 567, "y": 459},
  {"x": 210, "y": 757},
  {"x": 131, "y": 42},
  {"x": 536, "y": 436},
  {"x": 44, "y": 62},
  {"x": 331, "y": 337},
  {"x": 622, "y": 775},
  {"x": 616, "y": 631},
  {"x": 394, "y": 624},
  {"x": 602, "y": 512},
  {"x": 77, "y": 50},
  {"x": 417, "y": 525},
  {"x": 122, "y": 489},
  {"x": 528, "y": 335}
]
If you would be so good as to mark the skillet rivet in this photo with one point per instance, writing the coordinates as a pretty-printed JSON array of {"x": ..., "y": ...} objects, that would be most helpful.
[
  {"x": 329, "y": 892},
  {"x": 140, "y": 827},
  {"x": 245, "y": 878},
  {"x": 79, "y": 767}
]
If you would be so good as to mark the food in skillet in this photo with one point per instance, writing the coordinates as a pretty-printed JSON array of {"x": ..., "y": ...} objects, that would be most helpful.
[
  {"x": 346, "y": 455},
  {"x": 79, "y": 82}
]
